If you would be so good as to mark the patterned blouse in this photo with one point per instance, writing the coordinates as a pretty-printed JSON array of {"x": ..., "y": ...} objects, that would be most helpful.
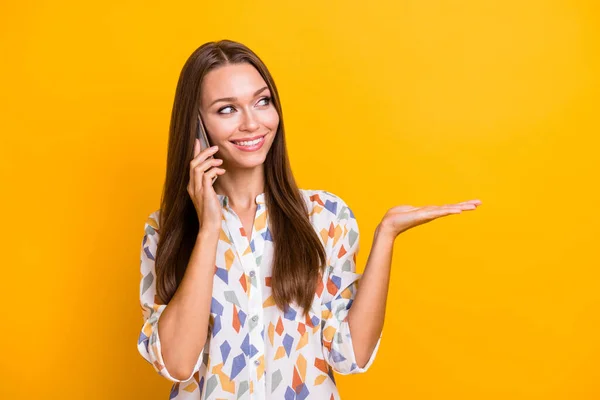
[{"x": 254, "y": 350}]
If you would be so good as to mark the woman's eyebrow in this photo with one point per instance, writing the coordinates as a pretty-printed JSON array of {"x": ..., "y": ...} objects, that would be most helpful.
[{"x": 235, "y": 98}]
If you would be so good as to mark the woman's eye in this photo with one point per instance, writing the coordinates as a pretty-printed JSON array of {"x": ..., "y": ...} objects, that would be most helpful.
[
  {"x": 266, "y": 99},
  {"x": 224, "y": 108}
]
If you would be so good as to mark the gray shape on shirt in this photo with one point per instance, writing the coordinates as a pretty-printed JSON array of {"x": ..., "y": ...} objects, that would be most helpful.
[
  {"x": 276, "y": 379},
  {"x": 232, "y": 298},
  {"x": 211, "y": 384},
  {"x": 242, "y": 388}
]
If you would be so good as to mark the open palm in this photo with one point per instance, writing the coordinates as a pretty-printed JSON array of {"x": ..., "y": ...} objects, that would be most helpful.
[{"x": 401, "y": 218}]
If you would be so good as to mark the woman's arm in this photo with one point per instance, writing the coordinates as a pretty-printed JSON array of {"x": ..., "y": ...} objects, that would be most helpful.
[
  {"x": 183, "y": 326},
  {"x": 367, "y": 313}
]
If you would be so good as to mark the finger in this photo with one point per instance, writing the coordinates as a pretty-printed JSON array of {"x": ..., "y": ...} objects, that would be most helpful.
[
  {"x": 202, "y": 169},
  {"x": 198, "y": 157},
  {"x": 465, "y": 205},
  {"x": 203, "y": 155},
  {"x": 474, "y": 202},
  {"x": 211, "y": 173},
  {"x": 192, "y": 180},
  {"x": 206, "y": 164},
  {"x": 207, "y": 179},
  {"x": 439, "y": 212},
  {"x": 403, "y": 208}
]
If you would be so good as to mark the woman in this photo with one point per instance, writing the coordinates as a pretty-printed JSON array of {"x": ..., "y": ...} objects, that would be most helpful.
[{"x": 251, "y": 291}]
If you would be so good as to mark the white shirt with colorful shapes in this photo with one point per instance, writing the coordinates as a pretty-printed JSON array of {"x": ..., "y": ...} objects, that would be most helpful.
[{"x": 254, "y": 350}]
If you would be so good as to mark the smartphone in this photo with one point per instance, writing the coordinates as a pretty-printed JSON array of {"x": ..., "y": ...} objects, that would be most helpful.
[{"x": 203, "y": 137}]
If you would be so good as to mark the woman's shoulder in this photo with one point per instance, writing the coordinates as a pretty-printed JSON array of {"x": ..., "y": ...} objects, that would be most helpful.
[
  {"x": 324, "y": 199},
  {"x": 153, "y": 221}
]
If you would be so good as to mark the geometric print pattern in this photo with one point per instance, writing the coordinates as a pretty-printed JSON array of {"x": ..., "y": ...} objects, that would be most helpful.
[{"x": 253, "y": 349}]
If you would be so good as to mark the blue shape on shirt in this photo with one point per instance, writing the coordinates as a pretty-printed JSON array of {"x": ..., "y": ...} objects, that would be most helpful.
[
  {"x": 174, "y": 391},
  {"x": 222, "y": 273},
  {"x": 225, "y": 349},
  {"x": 145, "y": 339},
  {"x": 216, "y": 307},
  {"x": 290, "y": 394},
  {"x": 242, "y": 316},
  {"x": 289, "y": 313},
  {"x": 331, "y": 206},
  {"x": 337, "y": 281},
  {"x": 246, "y": 345},
  {"x": 253, "y": 350},
  {"x": 287, "y": 343},
  {"x": 267, "y": 235},
  {"x": 239, "y": 362},
  {"x": 216, "y": 326},
  {"x": 302, "y": 392},
  {"x": 201, "y": 385},
  {"x": 314, "y": 320},
  {"x": 337, "y": 356}
]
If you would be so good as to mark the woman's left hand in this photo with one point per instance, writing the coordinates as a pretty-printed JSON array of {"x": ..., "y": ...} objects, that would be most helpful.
[{"x": 401, "y": 218}]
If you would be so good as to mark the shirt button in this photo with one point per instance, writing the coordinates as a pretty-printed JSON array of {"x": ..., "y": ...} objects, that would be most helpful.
[
  {"x": 255, "y": 318},
  {"x": 256, "y": 362},
  {"x": 252, "y": 274}
]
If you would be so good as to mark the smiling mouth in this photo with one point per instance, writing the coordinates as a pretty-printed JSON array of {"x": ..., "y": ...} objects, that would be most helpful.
[{"x": 249, "y": 142}]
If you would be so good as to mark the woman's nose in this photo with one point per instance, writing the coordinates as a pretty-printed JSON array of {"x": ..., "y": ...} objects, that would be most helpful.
[{"x": 249, "y": 121}]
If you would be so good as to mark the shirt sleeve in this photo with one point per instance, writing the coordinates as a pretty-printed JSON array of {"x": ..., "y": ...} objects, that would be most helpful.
[
  {"x": 340, "y": 290},
  {"x": 149, "y": 342}
]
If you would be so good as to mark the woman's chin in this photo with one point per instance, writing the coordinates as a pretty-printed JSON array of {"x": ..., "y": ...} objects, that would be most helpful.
[{"x": 248, "y": 162}]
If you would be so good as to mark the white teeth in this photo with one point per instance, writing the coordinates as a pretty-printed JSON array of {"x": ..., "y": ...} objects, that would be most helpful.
[{"x": 250, "y": 143}]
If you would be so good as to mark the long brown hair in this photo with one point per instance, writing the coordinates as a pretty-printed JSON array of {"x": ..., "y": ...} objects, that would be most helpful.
[{"x": 299, "y": 257}]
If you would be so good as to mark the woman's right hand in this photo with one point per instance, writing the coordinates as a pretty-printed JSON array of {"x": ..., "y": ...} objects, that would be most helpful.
[{"x": 200, "y": 187}]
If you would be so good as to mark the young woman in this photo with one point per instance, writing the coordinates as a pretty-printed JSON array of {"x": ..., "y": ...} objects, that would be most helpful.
[{"x": 249, "y": 287}]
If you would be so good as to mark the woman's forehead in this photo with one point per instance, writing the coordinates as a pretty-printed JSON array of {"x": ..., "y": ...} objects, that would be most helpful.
[{"x": 238, "y": 80}]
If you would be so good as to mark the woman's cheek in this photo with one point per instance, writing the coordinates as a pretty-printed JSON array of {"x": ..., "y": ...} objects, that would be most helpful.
[{"x": 273, "y": 119}]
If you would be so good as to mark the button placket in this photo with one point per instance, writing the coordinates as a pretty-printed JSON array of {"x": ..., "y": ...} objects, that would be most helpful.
[{"x": 249, "y": 265}]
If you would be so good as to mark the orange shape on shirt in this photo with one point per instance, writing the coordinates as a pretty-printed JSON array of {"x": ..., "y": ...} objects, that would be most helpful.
[
  {"x": 320, "y": 287},
  {"x": 296, "y": 381},
  {"x": 342, "y": 251},
  {"x": 236, "y": 320},
  {"x": 321, "y": 365},
  {"x": 279, "y": 328},
  {"x": 271, "y": 332},
  {"x": 301, "y": 364},
  {"x": 244, "y": 282},
  {"x": 269, "y": 302},
  {"x": 280, "y": 353},
  {"x": 301, "y": 328},
  {"x": 331, "y": 288},
  {"x": 303, "y": 341}
]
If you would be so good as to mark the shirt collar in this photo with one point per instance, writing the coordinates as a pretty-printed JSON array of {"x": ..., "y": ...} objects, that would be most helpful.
[{"x": 224, "y": 200}]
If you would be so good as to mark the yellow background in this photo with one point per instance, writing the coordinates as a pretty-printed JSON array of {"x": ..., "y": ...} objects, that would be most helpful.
[{"x": 385, "y": 103}]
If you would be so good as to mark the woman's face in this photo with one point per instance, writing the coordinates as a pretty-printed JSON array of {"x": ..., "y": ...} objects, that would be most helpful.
[{"x": 236, "y": 106}]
